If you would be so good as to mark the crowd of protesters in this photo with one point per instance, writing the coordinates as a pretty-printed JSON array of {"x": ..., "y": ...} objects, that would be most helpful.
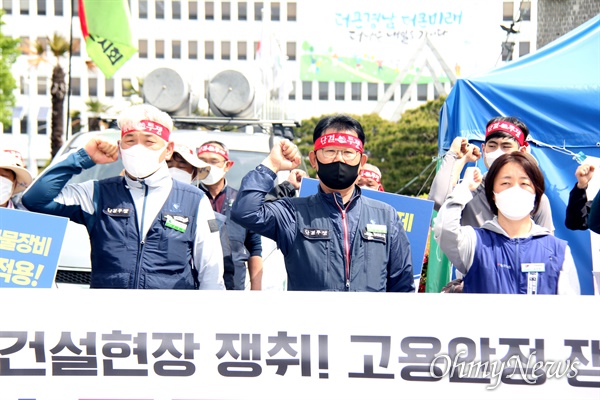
[{"x": 171, "y": 221}]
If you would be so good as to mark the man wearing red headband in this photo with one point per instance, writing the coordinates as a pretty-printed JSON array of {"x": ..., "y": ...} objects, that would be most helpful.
[
  {"x": 335, "y": 240},
  {"x": 503, "y": 135},
  {"x": 147, "y": 231},
  {"x": 370, "y": 178},
  {"x": 246, "y": 246}
]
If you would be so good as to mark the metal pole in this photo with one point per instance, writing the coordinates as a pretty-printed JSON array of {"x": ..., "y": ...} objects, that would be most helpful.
[{"x": 69, "y": 79}]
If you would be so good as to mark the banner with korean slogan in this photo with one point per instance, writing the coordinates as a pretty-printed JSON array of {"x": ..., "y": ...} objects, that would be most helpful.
[
  {"x": 414, "y": 213},
  {"x": 106, "y": 28},
  {"x": 30, "y": 245}
]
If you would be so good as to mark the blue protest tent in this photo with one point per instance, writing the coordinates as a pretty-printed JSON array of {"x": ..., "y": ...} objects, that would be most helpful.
[{"x": 556, "y": 92}]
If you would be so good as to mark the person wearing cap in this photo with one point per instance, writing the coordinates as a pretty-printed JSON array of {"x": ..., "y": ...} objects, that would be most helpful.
[
  {"x": 186, "y": 167},
  {"x": 370, "y": 178},
  {"x": 147, "y": 231},
  {"x": 14, "y": 178},
  {"x": 246, "y": 246},
  {"x": 502, "y": 135},
  {"x": 337, "y": 239}
]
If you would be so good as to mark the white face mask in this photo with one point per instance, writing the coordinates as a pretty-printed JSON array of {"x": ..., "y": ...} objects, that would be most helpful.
[
  {"x": 493, "y": 156},
  {"x": 140, "y": 161},
  {"x": 6, "y": 189},
  {"x": 515, "y": 203},
  {"x": 214, "y": 176},
  {"x": 180, "y": 175}
]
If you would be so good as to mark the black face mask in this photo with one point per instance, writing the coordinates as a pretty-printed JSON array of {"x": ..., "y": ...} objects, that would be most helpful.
[{"x": 337, "y": 175}]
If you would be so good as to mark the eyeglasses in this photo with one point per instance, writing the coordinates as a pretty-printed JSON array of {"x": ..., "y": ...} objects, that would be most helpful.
[{"x": 347, "y": 154}]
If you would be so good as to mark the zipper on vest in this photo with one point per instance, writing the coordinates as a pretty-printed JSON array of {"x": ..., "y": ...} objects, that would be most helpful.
[
  {"x": 141, "y": 235},
  {"x": 518, "y": 267},
  {"x": 346, "y": 238}
]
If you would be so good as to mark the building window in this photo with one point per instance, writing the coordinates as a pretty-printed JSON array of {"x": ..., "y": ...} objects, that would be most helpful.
[
  {"x": 22, "y": 85},
  {"x": 525, "y": 11},
  {"x": 256, "y": 44},
  {"x": 76, "y": 47},
  {"x": 58, "y": 8},
  {"x": 258, "y": 11},
  {"x": 176, "y": 49},
  {"x": 275, "y": 12},
  {"x": 93, "y": 87},
  {"x": 43, "y": 42},
  {"x": 386, "y": 86},
  {"x": 209, "y": 11},
  {"x": 41, "y": 7},
  {"x": 403, "y": 90},
  {"x": 193, "y": 50},
  {"x": 242, "y": 50},
  {"x": 75, "y": 9},
  {"x": 292, "y": 95},
  {"x": 176, "y": 9},
  {"x": 306, "y": 90},
  {"x": 524, "y": 48},
  {"x": 42, "y": 120},
  {"x": 159, "y": 51},
  {"x": 356, "y": 91},
  {"x": 143, "y": 48},
  {"x": 507, "y": 51},
  {"x": 291, "y": 11},
  {"x": 209, "y": 50},
  {"x": 7, "y": 6},
  {"x": 226, "y": 11},
  {"x": 242, "y": 11},
  {"x": 372, "y": 91},
  {"x": 193, "y": 10},
  {"x": 291, "y": 51},
  {"x": 159, "y": 9},
  {"x": 225, "y": 50},
  {"x": 109, "y": 87},
  {"x": 340, "y": 90},
  {"x": 42, "y": 85},
  {"x": 75, "y": 86},
  {"x": 508, "y": 10},
  {"x": 24, "y": 7},
  {"x": 323, "y": 90},
  {"x": 143, "y": 10},
  {"x": 422, "y": 92}
]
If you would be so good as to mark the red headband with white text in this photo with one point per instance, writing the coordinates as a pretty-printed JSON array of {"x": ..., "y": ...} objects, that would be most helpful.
[
  {"x": 149, "y": 127},
  {"x": 507, "y": 127},
  {"x": 368, "y": 174},
  {"x": 211, "y": 148},
  {"x": 339, "y": 139}
]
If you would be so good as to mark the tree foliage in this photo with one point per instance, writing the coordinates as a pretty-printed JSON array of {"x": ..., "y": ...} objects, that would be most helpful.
[
  {"x": 404, "y": 151},
  {"x": 9, "y": 50}
]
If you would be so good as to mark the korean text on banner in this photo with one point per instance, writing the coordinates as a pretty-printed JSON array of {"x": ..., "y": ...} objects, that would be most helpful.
[
  {"x": 106, "y": 27},
  {"x": 30, "y": 245}
]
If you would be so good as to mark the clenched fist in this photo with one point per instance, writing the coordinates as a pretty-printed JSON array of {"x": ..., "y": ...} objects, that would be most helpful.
[
  {"x": 584, "y": 174},
  {"x": 102, "y": 151},
  {"x": 284, "y": 156}
]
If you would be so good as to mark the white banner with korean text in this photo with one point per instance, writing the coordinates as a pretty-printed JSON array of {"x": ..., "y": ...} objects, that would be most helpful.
[{"x": 126, "y": 344}]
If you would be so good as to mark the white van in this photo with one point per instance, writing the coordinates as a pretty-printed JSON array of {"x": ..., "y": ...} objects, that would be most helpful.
[{"x": 246, "y": 149}]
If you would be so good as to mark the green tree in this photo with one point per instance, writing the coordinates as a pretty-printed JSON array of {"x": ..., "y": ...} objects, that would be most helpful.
[
  {"x": 403, "y": 150},
  {"x": 95, "y": 108},
  {"x": 9, "y": 52},
  {"x": 59, "y": 46}
]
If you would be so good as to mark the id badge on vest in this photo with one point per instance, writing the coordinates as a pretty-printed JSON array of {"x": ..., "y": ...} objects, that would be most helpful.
[{"x": 533, "y": 270}]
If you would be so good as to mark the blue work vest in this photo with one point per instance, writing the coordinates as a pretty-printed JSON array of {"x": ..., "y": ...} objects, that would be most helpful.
[
  {"x": 164, "y": 260},
  {"x": 499, "y": 260},
  {"x": 316, "y": 260}
]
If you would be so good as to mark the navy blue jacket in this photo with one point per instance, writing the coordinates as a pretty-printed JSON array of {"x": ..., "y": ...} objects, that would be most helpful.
[
  {"x": 243, "y": 243},
  {"x": 359, "y": 247}
]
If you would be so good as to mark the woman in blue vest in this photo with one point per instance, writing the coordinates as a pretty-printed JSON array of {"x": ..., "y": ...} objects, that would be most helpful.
[{"x": 510, "y": 253}]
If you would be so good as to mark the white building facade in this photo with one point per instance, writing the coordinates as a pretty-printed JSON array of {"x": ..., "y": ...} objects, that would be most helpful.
[{"x": 332, "y": 56}]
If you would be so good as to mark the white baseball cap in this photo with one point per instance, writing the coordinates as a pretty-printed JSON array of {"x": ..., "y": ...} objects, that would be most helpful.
[{"x": 202, "y": 168}]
